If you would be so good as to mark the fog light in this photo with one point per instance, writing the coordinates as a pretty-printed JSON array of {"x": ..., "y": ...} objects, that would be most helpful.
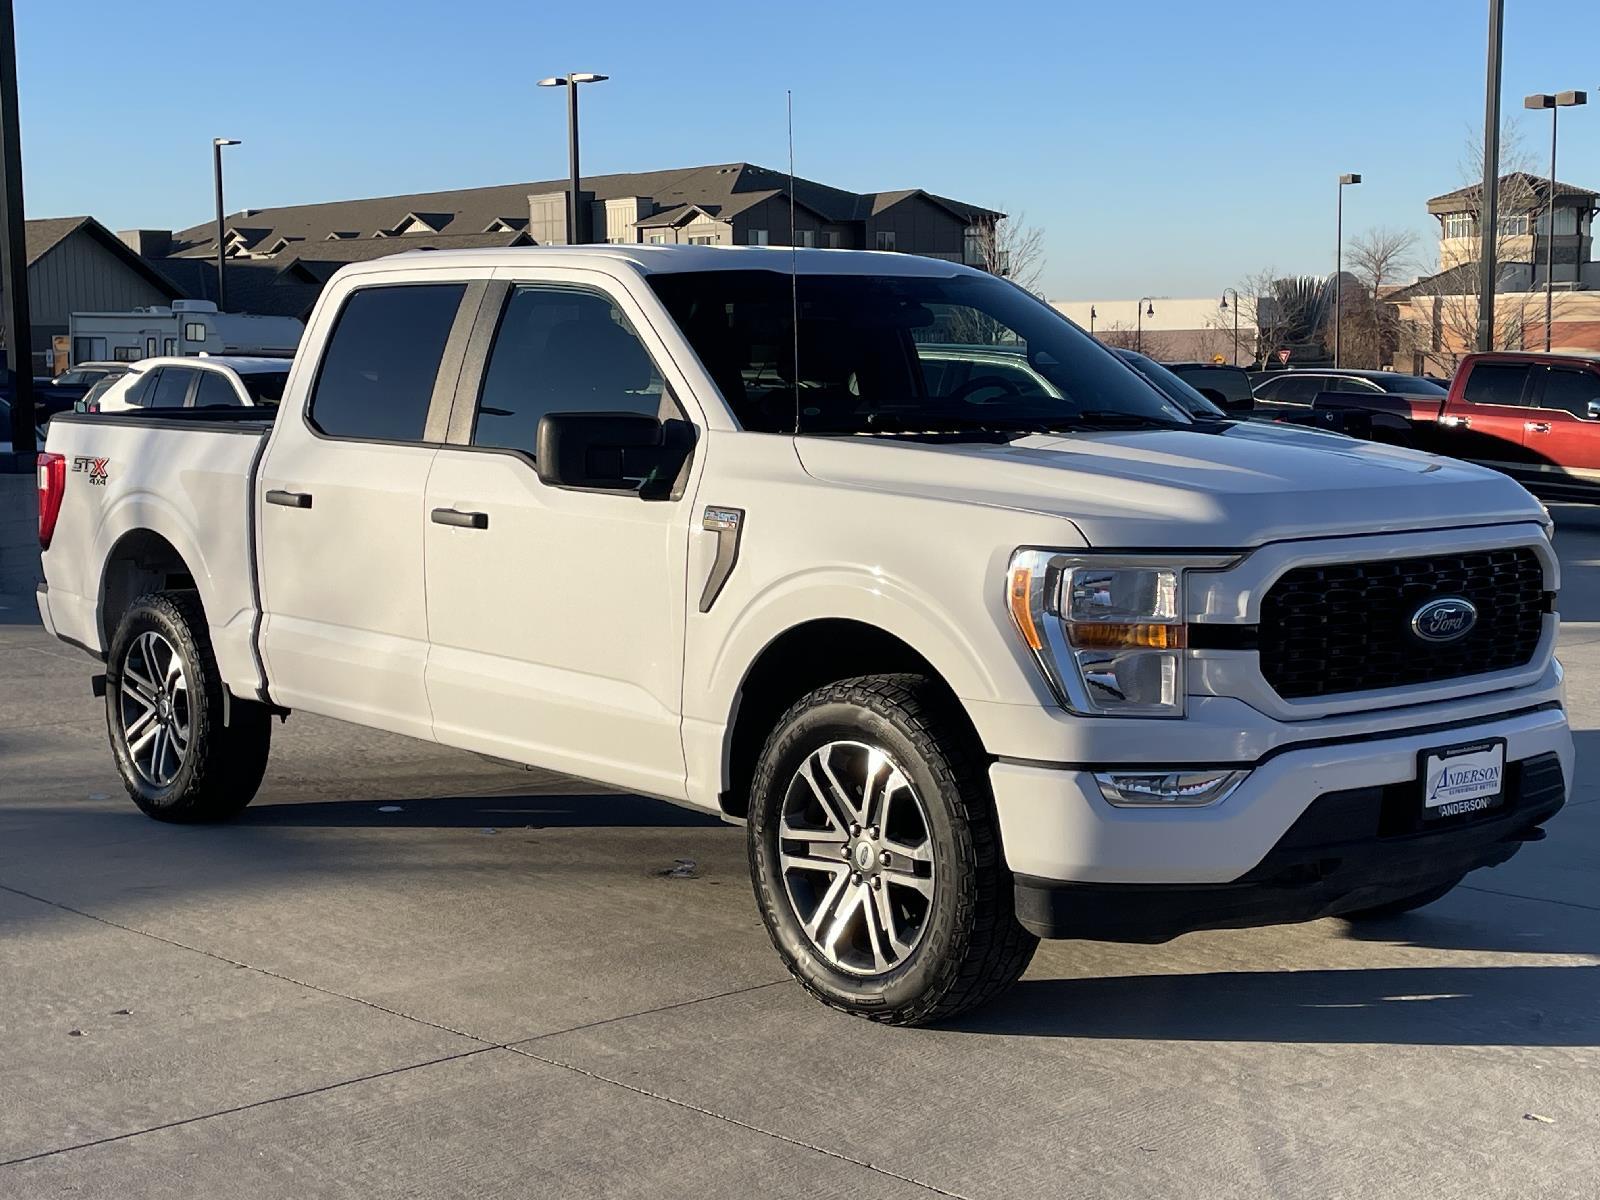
[{"x": 1169, "y": 789}]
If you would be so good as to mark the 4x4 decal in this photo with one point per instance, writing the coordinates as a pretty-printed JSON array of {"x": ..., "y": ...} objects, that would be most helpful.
[{"x": 96, "y": 468}]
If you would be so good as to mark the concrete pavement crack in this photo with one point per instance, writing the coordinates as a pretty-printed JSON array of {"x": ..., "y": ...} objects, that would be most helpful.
[
  {"x": 239, "y": 1108},
  {"x": 487, "y": 1043},
  {"x": 484, "y": 1046},
  {"x": 1468, "y": 887},
  {"x": 735, "y": 1121}
]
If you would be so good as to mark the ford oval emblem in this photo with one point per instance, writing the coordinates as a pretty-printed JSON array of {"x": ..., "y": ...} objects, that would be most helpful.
[{"x": 1444, "y": 620}]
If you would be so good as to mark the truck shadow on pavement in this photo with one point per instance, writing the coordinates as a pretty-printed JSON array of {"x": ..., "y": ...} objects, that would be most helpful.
[
  {"x": 1414, "y": 1006},
  {"x": 601, "y": 810}
]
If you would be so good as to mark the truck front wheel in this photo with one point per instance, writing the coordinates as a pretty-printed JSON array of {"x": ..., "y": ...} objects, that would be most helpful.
[
  {"x": 164, "y": 712},
  {"x": 876, "y": 857}
]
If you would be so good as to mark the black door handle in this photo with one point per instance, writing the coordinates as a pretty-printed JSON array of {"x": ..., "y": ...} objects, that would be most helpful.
[
  {"x": 289, "y": 499},
  {"x": 461, "y": 520}
]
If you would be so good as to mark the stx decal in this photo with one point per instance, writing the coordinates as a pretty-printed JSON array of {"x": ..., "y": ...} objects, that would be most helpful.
[{"x": 94, "y": 467}]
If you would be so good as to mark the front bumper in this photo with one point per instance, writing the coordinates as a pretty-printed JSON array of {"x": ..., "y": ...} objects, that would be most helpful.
[
  {"x": 1348, "y": 851},
  {"x": 1058, "y": 829}
]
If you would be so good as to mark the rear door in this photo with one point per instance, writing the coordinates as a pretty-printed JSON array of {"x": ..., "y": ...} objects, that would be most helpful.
[
  {"x": 341, "y": 513},
  {"x": 1487, "y": 423},
  {"x": 1562, "y": 433}
]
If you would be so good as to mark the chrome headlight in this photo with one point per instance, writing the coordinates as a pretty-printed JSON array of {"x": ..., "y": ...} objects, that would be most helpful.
[{"x": 1109, "y": 632}]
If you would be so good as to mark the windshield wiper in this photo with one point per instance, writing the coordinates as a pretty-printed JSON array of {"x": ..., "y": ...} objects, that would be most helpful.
[
  {"x": 1132, "y": 420},
  {"x": 1002, "y": 427}
]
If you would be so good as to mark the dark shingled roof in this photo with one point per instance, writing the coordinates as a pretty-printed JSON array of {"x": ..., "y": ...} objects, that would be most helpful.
[
  {"x": 724, "y": 189},
  {"x": 44, "y": 235},
  {"x": 1518, "y": 183}
]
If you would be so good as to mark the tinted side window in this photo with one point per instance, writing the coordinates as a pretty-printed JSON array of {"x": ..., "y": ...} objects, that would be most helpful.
[
  {"x": 1571, "y": 390},
  {"x": 560, "y": 350},
  {"x": 1496, "y": 383},
  {"x": 1349, "y": 383},
  {"x": 377, "y": 375},
  {"x": 1297, "y": 389},
  {"x": 215, "y": 389},
  {"x": 171, "y": 388}
]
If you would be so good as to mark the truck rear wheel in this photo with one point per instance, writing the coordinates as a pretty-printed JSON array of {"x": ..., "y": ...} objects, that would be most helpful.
[
  {"x": 876, "y": 857},
  {"x": 164, "y": 712}
]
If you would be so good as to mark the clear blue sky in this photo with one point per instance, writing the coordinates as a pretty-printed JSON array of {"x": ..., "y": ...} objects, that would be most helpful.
[{"x": 1164, "y": 146}]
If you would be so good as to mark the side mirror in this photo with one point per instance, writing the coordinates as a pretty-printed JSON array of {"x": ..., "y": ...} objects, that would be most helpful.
[
  {"x": 80, "y": 405},
  {"x": 612, "y": 452},
  {"x": 1594, "y": 410}
]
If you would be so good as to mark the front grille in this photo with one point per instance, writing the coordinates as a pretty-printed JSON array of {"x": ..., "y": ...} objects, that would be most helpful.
[{"x": 1346, "y": 627}]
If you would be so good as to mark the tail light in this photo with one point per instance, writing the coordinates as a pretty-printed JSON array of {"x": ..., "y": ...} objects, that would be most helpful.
[{"x": 52, "y": 486}]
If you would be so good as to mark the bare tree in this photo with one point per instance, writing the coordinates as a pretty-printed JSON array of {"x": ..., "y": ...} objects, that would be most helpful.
[
  {"x": 1012, "y": 248},
  {"x": 1260, "y": 307},
  {"x": 1373, "y": 331},
  {"x": 1119, "y": 335}
]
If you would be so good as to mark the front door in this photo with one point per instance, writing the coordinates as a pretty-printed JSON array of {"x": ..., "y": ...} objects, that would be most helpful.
[
  {"x": 340, "y": 509},
  {"x": 1487, "y": 424},
  {"x": 556, "y": 616}
]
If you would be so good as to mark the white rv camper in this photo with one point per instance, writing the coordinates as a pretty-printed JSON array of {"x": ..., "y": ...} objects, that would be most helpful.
[{"x": 185, "y": 327}]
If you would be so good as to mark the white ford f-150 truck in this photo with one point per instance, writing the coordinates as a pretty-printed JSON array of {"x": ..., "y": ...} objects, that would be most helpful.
[{"x": 983, "y": 638}]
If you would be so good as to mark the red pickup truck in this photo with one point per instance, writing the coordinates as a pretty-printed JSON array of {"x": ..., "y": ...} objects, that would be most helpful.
[{"x": 1534, "y": 416}]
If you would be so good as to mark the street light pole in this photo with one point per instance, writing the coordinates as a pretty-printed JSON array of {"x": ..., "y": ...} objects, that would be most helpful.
[
  {"x": 1139, "y": 315},
  {"x": 1555, "y": 103},
  {"x": 571, "y": 81},
  {"x": 14, "y": 309},
  {"x": 1338, "y": 268},
  {"x": 216, "y": 170},
  {"x": 1224, "y": 305},
  {"x": 1489, "y": 210}
]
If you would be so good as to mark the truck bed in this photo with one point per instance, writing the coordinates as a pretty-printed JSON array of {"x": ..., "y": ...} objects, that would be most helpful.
[{"x": 183, "y": 477}]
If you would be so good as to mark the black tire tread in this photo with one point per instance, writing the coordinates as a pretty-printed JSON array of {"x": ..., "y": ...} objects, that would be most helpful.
[
  {"x": 231, "y": 759},
  {"x": 999, "y": 948}
]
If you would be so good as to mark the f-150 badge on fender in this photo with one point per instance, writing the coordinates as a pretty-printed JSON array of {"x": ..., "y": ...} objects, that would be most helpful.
[{"x": 96, "y": 468}]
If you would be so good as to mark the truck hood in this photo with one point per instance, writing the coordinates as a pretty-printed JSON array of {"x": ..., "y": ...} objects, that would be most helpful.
[{"x": 1215, "y": 487}]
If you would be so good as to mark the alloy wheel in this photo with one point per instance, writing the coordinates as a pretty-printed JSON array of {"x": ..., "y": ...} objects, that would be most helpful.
[
  {"x": 153, "y": 707},
  {"x": 856, "y": 853}
]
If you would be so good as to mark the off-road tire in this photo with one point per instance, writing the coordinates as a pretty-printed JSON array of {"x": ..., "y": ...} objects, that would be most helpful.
[
  {"x": 972, "y": 947},
  {"x": 222, "y": 765}
]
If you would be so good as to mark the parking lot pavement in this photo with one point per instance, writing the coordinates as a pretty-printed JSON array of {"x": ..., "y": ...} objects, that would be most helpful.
[{"x": 514, "y": 985}]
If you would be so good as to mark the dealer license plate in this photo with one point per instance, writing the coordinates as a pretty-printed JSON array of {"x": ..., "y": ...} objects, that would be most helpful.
[{"x": 1463, "y": 779}]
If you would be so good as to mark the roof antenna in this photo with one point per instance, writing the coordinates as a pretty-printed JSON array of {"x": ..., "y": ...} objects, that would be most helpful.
[{"x": 794, "y": 269}]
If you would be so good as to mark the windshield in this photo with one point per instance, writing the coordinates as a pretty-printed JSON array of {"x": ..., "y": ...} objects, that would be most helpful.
[
  {"x": 265, "y": 387},
  {"x": 901, "y": 354},
  {"x": 1174, "y": 388}
]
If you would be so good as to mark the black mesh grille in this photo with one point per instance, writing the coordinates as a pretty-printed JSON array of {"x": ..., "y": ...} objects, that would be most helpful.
[{"x": 1346, "y": 627}]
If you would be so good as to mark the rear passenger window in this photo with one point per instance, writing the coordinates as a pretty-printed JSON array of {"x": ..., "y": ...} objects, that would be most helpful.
[
  {"x": 377, "y": 375},
  {"x": 171, "y": 388},
  {"x": 1496, "y": 383},
  {"x": 215, "y": 390},
  {"x": 561, "y": 350}
]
